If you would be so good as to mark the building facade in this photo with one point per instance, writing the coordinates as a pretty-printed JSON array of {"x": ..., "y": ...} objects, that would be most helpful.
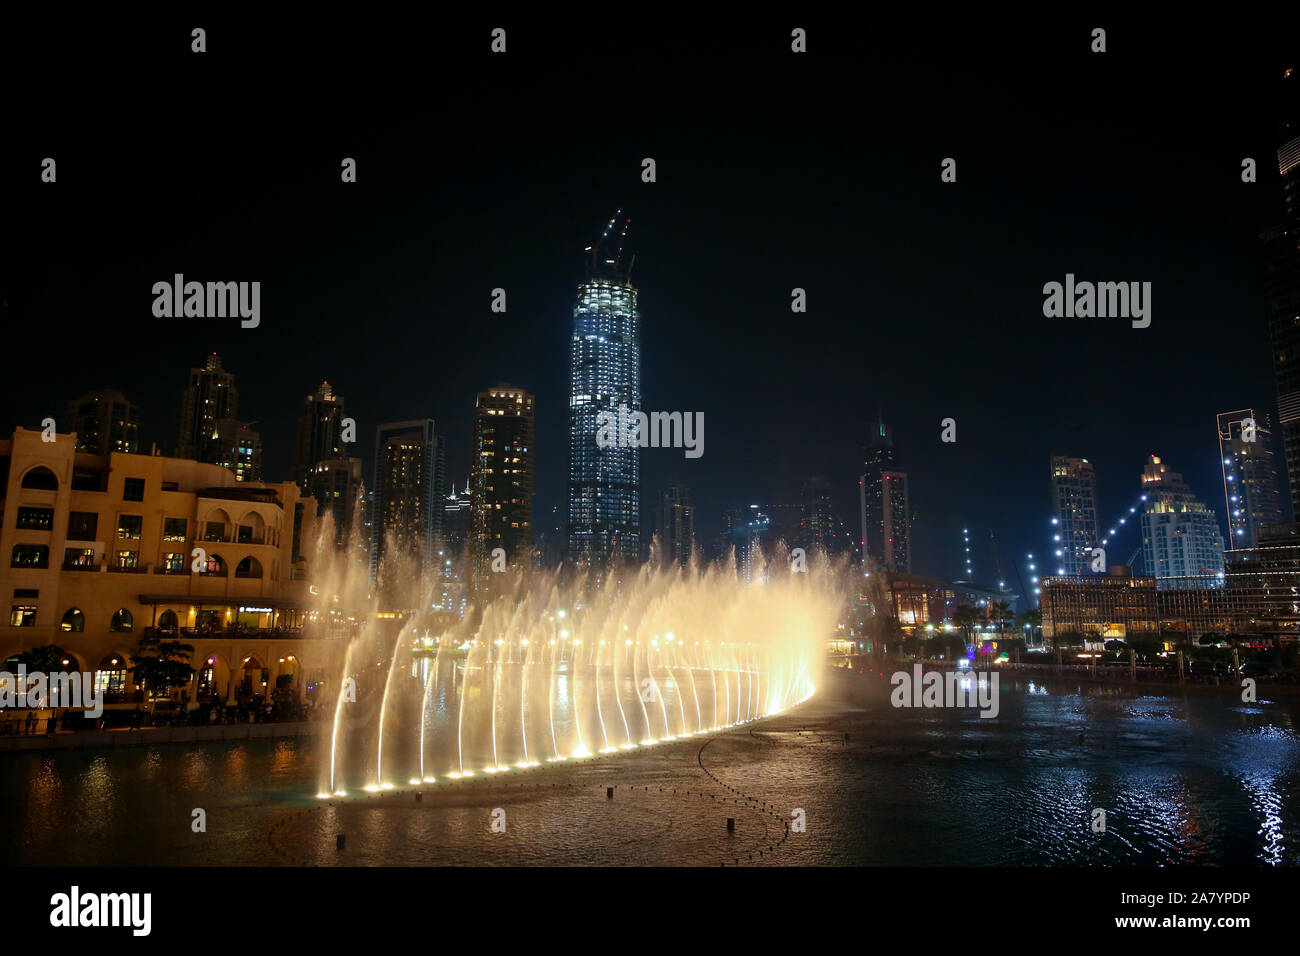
[
  {"x": 1075, "y": 525},
  {"x": 410, "y": 465},
  {"x": 320, "y": 433},
  {"x": 1180, "y": 535},
  {"x": 884, "y": 504},
  {"x": 676, "y": 525},
  {"x": 604, "y": 523},
  {"x": 1282, "y": 282},
  {"x": 1250, "y": 487},
  {"x": 104, "y": 550},
  {"x": 502, "y": 476},
  {"x": 1100, "y": 606},
  {"x": 104, "y": 421},
  {"x": 210, "y": 430}
]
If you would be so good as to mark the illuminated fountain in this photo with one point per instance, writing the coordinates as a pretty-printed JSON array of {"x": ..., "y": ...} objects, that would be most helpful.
[{"x": 550, "y": 670}]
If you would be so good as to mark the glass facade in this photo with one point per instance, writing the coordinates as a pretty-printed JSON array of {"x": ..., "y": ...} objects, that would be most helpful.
[{"x": 605, "y": 375}]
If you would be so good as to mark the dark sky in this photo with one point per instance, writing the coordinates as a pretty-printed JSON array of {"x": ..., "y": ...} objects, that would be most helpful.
[{"x": 818, "y": 171}]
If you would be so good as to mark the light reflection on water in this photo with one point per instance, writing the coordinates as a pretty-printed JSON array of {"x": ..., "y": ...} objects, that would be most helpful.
[{"x": 1195, "y": 779}]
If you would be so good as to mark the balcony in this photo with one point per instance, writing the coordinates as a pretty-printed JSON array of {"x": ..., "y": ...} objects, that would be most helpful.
[
  {"x": 118, "y": 569},
  {"x": 231, "y": 632}
]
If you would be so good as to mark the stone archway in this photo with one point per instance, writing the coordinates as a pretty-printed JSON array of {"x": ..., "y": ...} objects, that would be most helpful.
[{"x": 252, "y": 677}]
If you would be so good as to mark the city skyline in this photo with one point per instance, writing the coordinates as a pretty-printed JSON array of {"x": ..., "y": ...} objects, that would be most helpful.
[
  {"x": 710, "y": 442},
  {"x": 979, "y": 303}
]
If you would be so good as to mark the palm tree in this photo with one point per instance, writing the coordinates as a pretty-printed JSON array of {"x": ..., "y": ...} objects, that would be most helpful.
[
  {"x": 965, "y": 617},
  {"x": 999, "y": 614}
]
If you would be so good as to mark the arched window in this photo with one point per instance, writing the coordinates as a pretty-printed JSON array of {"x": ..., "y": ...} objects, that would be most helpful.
[
  {"x": 112, "y": 673},
  {"x": 73, "y": 620},
  {"x": 216, "y": 565},
  {"x": 122, "y": 620},
  {"x": 250, "y": 567},
  {"x": 167, "y": 620},
  {"x": 41, "y": 478}
]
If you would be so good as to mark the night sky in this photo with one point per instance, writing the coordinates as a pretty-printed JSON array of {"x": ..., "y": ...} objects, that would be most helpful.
[{"x": 775, "y": 171}]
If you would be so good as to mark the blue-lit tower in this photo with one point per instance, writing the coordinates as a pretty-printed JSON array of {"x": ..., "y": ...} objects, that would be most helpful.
[{"x": 604, "y": 376}]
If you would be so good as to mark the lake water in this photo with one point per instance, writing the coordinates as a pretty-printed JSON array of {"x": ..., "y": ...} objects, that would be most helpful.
[{"x": 1184, "y": 779}]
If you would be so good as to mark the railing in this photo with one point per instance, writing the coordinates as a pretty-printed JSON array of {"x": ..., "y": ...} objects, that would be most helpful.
[
  {"x": 255, "y": 633},
  {"x": 118, "y": 569},
  {"x": 80, "y": 567}
]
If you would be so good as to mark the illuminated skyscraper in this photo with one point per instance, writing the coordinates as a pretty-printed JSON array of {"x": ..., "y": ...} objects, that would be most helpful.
[
  {"x": 501, "y": 477},
  {"x": 1181, "y": 543},
  {"x": 1249, "y": 476},
  {"x": 320, "y": 431},
  {"x": 1075, "y": 529},
  {"x": 604, "y": 374},
  {"x": 884, "y": 505}
]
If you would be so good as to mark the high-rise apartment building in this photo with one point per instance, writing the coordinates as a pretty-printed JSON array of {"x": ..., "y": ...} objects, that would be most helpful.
[
  {"x": 884, "y": 505},
  {"x": 1181, "y": 543},
  {"x": 320, "y": 433},
  {"x": 501, "y": 477},
  {"x": 210, "y": 430},
  {"x": 323, "y": 469},
  {"x": 1075, "y": 527},
  {"x": 410, "y": 462},
  {"x": 105, "y": 421}
]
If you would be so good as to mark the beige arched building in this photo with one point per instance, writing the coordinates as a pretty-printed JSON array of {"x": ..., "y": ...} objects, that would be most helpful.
[{"x": 98, "y": 549}]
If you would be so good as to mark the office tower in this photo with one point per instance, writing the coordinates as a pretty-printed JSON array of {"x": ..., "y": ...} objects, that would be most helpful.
[
  {"x": 604, "y": 376},
  {"x": 883, "y": 503},
  {"x": 408, "y": 514},
  {"x": 1282, "y": 282},
  {"x": 1075, "y": 528},
  {"x": 105, "y": 421},
  {"x": 501, "y": 477},
  {"x": 320, "y": 433},
  {"x": 1181, "y": 543},
  {"x": 676, "y": 525},
  {"x": 1250, "y": 489}
]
